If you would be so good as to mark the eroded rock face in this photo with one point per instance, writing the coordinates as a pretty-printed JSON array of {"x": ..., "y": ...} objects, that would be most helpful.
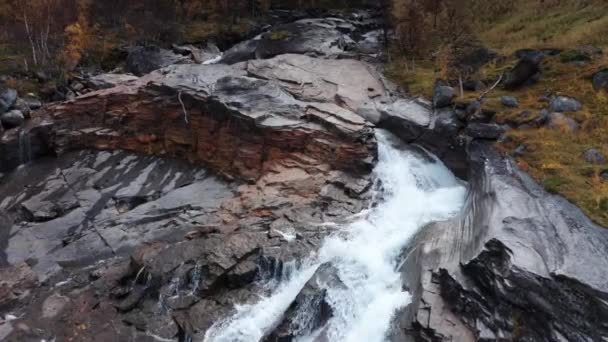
[
  {"x": 178, "y": 244},
  {"x": 519, "y": 264}
]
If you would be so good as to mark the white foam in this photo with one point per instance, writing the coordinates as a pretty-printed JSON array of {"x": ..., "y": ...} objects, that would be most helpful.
[{"x": 365, "y": 252}]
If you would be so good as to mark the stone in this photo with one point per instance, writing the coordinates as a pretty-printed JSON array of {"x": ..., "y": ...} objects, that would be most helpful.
[
  {"x": 22, "y": 106},
  {"x": 593, "y": 156},
  {"x": 561, "y": 121},
  {"x": 312, "y": 300},
  {"x": 7, "y": 99},
  {"x": 241, "y": 52},
  {"x": 13, "y": 118},
  {"x": 564, "y": 104},
  {"x": 32, "y": 102},
  {"x": 145, "y": 59},
  {"x": 600, "y": 80},
  {"x": 479, "y": 130},
  {"x": 509, "y": 101},
  {"x": 443, "y": 96},
  {"x": 473, "y": 85},
  {"x": 524, "y": 72}
]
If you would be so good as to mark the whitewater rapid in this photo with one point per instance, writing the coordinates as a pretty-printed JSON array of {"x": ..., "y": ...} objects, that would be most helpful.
[{"x": 415, "y": 191}]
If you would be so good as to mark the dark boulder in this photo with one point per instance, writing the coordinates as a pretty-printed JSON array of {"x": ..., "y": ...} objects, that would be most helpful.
[
  {"x": 241, "y": 52},
  {"x": 13, "y": 118},
  {"x": 312, "y": 300},
  {"x": 473, "y": 85},
  {"x": 443, "y": 96},
  {"x": 526, "y": 71},
  {"x": 593, "y": 156},
  {"x": 600, "y": 80},
  {"x": 480, "y": 130},
  {"x": 32, "y": 102},
  {"x": 145, "y": 59},
  {"x": 564, "y": 104},
  {"x": 529, "y": 54},
  {"x": 22, "y": 106},
  {"x": 7, "y": 99}
]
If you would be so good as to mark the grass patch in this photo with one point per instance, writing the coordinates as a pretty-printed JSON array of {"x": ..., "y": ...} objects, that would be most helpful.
[{"x": 415, "y": 77}]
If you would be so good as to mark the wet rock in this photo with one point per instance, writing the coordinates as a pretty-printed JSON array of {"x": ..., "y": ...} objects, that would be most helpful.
[
  {"x": 593, "y": 156},
  {"x": 13, "y": 118},
  {"x": 561, "y": 121},
  {"x": 142, "y": 60},
  {"x": 241, "y": 52},
  {"x": 443, "y": 96},
  {"x": 509, "y": 101},
  {"x": 7, "y": 99},
  {"x": 600, "y": 80},
  {"x": 484, "y": 130},
  {"x": 519, "y": 151},
  {"x": 564, "y": 104},
  {"x": 310, "y": 310},
  {"x": 317, "y": 37},
  {"x": 532, "y": 240}
]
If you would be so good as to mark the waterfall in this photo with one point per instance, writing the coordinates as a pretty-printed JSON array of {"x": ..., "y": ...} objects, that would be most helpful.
[
  {"x": 25, "y": 147},
  {"x": 413, "y": 191}
]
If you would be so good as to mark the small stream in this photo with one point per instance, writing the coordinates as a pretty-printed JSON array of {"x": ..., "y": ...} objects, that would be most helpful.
[{"x": 415, "y": 191}]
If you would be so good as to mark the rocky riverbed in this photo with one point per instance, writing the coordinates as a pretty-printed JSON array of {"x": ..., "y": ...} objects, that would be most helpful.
[{"x": 150, "y": 209}]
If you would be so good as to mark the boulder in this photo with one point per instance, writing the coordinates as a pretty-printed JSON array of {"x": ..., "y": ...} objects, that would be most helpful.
[
  {"x": 443, "y": 96},
  {"x": 526, "y": 71},
  {"x": 7, "y": 99},
  {"x": 594, "y": 156},
  {"x": 317, "y": 37},
  {"x": 13, "y": 118},
  {"x": 241, "y": 52},
  {"x": 473, "y": 85},
  {"x": 564, "y": 104},
  {"x": 480, "y": 130},
  {"x": 312, "y": 300},
  {"x": 22, "y": 106},
  {"x": 509, "y": 101},
  {"x": 144, "y": 59},
  {"x": 561, "y": 121},
  {"x": 32, "y": 102},
  {"x": 600, "y": 80}
]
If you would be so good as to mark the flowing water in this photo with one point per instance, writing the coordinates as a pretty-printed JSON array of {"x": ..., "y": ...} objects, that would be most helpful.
[
  {"x": 25, "y": 147},
  {"x": 414, "y": 192}
]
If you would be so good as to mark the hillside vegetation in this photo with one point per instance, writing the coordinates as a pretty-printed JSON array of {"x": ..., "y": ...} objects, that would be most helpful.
[{"x": 554, "y": 157}]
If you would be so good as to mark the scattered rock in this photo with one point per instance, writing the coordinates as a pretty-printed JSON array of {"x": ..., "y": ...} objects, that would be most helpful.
[
  {"x": 32, "y": 102},
  {"x": 480, "y": 130},
  {"x": 561, "y": 121},
  {"x": 22, "y": 106},
  {"x": 604, "y": 175},
  {"x": 600, "y": 80},
  {"x": 509, "y": 101},
  {"x": 564, "y": 104},
  {"x": 443, "y": 96},
  {"x": 13, "y": 118},
  {"x": 7, "y": 99},
  {"x": 593, "y": 156}
]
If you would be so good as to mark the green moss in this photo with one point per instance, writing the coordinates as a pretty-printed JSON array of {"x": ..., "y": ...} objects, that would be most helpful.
[
  {"x": 280, "y": 35},
  {"x": 552, "y": 184}
]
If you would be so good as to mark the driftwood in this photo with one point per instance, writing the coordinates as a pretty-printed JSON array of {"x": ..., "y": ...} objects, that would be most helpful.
[{"x": 490, "y": 89}]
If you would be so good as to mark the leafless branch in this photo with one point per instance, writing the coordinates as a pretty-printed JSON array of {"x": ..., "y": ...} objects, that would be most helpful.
[
  {"x": 179, "y": 98},
  {"x": 491, "y": 88}
]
